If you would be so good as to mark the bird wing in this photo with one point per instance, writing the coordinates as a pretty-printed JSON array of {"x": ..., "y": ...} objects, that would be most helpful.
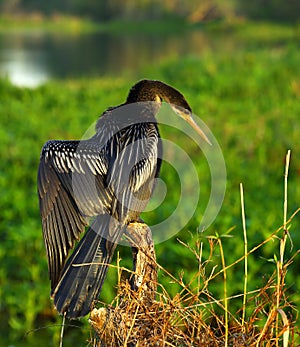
[
  {"x": 132, "y": 166},
  {"x": 148, "y": 158},
  {"x": 70, "y": 188},
  {"x": 78, "y": 179}
]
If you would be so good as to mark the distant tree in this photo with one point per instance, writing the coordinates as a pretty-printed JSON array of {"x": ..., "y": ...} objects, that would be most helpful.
[
  {"x": 8, "y": 6},
  {"x": 197, "y": 10},
  {"x": 282, "y": 10}
]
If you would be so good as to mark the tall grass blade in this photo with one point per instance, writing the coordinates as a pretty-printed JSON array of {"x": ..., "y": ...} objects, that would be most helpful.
[
  {"x": 245, "y": 254},
  {"x": 62, "y": 331},
  {"x": 286, "y": 328}
]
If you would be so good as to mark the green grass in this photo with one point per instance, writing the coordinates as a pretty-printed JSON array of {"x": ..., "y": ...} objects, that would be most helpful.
[
  {"x": 38, "y": 22},
  {"x": 76, "y": 25},
  {"x": 248, "y": 96}
]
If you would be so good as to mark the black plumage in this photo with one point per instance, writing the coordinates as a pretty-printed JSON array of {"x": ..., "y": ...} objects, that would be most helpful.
[{"x": 108, "y": 180}]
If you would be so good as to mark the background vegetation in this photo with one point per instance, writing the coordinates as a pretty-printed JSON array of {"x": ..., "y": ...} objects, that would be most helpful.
[
  {"x": 248, "y": 96},
  {"x": 284, "y": 10}
]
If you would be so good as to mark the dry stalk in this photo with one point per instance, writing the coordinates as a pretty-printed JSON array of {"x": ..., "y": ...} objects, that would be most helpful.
[{"x": 245, "y": 254}]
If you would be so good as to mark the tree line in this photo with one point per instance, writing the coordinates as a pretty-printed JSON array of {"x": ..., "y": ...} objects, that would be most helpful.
[{"x": 199, "y": 10}]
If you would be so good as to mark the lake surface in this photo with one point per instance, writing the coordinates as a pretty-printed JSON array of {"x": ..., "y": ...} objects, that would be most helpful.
[{"x": 31, "y": 58}]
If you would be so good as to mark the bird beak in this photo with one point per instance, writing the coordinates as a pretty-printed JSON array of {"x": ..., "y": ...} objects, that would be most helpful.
[
  {"x": 187, "y": 116},
  {"x": 194, "y": 125}
]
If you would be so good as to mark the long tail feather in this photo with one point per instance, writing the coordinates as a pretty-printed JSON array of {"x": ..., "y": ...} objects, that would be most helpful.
[{"x": 85, "y": 271}]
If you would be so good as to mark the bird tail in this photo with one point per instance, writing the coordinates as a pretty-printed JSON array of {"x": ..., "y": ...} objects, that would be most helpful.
[{"x": 85, "y": 271}]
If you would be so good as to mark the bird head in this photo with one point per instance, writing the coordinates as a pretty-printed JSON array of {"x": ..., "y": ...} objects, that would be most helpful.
[{"x": 157, "y": 91}]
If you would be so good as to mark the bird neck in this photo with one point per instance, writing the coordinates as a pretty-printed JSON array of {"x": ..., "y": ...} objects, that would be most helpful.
[
  {"x": 145, "y": 90},
  {"x": 127, "y": 114}
]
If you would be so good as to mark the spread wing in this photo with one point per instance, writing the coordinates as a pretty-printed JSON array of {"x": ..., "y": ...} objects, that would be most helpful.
[
  {"x": 80, "y": 179},
  {"x": 69, "y": 176}
]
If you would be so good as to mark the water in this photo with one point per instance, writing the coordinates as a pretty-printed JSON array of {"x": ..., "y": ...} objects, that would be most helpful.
[{"x": 31, "y": 58}]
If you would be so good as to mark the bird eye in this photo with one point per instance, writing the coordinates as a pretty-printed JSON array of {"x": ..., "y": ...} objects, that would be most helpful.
[{"x": 158, "y": 98}]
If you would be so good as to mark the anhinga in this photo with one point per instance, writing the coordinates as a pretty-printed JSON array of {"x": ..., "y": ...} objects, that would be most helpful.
[{"x": 109, "y": 178}]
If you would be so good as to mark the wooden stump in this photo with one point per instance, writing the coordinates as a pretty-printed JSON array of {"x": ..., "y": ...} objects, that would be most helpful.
[
  {"x": 124, "y": 325},
  {"x": 144, "y": 277}
]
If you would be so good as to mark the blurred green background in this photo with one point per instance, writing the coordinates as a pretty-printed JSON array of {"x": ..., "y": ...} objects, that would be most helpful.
[{"x": 63, "y": 63}]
